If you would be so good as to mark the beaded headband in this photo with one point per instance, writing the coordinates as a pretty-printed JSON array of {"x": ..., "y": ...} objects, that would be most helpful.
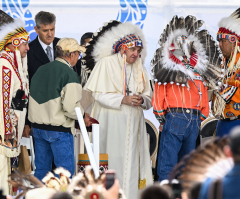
[
  {"x": 16, "y": 37},
  {"x": 224, "y": 33},
  {"x": 126, "y": 42},
  {"x": 18, "y": 41}
]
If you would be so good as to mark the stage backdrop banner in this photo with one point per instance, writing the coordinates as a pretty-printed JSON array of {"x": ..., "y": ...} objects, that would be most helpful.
[{"x": 75, "y": 17}]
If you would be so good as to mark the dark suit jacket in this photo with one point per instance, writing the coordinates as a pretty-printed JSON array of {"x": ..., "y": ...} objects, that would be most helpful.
[
  {"x": 77, "y": 67},
  {"x": 37, "y": 57}
]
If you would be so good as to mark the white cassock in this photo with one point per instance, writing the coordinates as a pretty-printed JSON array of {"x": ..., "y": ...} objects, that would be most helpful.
[{"x": 123, "y": 133}]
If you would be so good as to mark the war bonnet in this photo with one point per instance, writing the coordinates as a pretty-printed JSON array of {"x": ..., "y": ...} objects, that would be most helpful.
[{"x": 12, "y": 31}]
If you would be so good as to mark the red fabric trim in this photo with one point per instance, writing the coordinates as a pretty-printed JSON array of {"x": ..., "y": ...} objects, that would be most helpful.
[
  {"x": 14, "y": 64},
  {"x": 6, "y": 84},
  {"x": 15, "y": 67},
  {"x": 193, "y": 59},
  {"x": 15, "y": 189},
  {"x": 8, "y": 58},
  {"x": 172, "y": 45},
  {"x": 174, "y": 58},
  {"x": 226, "y": 31}
]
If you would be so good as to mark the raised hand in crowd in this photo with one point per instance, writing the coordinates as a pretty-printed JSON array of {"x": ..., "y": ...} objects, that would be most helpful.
[{"x": 113, "y": 192}]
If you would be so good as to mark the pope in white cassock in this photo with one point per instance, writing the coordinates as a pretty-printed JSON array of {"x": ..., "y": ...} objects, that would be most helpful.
[{"x": 120, "y": 86}]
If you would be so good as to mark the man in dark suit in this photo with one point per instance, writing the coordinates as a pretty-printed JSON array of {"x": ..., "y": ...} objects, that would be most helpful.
[{"x": 42, "y": 49}]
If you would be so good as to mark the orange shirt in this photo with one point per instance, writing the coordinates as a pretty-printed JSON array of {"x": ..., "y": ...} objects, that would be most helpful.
[
  {"x": 173, "y": 96},
  {"x": 233, "y": 107}
]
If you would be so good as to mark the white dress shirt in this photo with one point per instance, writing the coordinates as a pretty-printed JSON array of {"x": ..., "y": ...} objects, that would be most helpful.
[{"x": 44, "y": 46}]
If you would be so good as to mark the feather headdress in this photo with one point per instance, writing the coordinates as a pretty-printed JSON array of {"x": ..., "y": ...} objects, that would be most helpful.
[
  {"x": 64, "y": 175},
  {"x": 183, "y": 51},
  {"x": 108, "y": 41},
  {"x": 206, "y": 161},
  {"x": 229, "y": 27},
  {"x": 12, "y": 31},
  {"x": 24, "y": 182},
  {"x": 82, "y": 186},
  {"x": 88, "y": 61}
]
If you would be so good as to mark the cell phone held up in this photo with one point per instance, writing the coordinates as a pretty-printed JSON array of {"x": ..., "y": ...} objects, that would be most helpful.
[{"x": 110, "y": 178}]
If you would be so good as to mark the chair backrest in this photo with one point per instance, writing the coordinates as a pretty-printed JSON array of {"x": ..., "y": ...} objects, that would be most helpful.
[
  {"x": 152, "y": 140},
  {"x": 208, "y": 129}
]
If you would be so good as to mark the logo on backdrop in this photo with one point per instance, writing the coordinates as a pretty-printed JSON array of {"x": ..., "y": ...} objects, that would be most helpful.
[
  {"x": 19, "y": 9},
  {"x": 134, "y": 11}
]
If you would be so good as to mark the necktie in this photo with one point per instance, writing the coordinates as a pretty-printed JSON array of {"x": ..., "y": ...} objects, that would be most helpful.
[{"x": 49, "y": 53}]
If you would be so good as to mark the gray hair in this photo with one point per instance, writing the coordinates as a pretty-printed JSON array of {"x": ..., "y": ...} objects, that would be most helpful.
[
  {"x": 44, "y": 18},
  {"x": 59, "y": 52}
]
